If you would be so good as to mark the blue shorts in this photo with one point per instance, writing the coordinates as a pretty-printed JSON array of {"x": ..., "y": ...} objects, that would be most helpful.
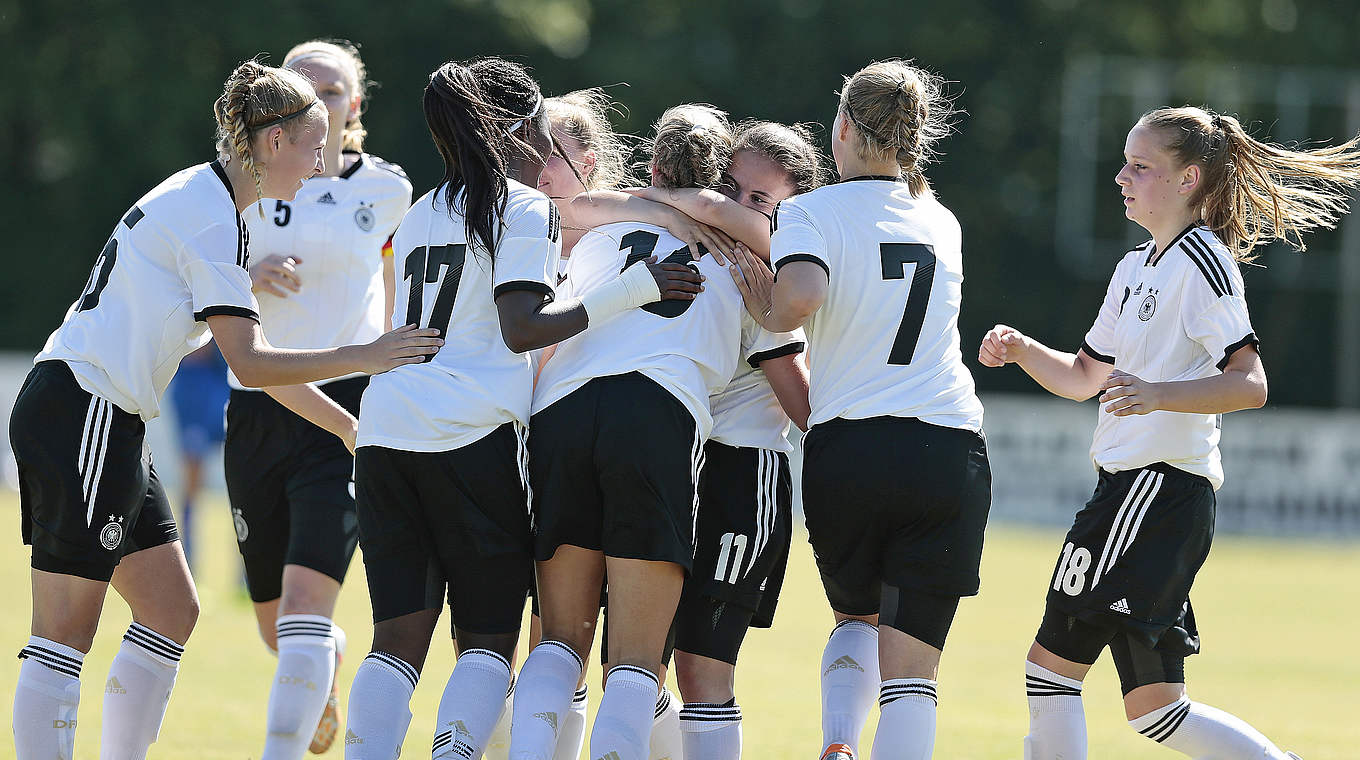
[{"x": 199, "y": 395}]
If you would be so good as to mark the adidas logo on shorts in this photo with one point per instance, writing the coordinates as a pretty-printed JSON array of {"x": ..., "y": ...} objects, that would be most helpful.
[
  {"x": 843, "y": 663},
  {"x": 1121, "y": 606}
]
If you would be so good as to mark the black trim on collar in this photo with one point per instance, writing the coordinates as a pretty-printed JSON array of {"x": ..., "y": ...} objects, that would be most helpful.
[
  {"x": 346, "y": 174},
  {"x": 222, "y": 175},
  {"x": 867, "y": 177},
  {"x": 1156, "y": 257}
]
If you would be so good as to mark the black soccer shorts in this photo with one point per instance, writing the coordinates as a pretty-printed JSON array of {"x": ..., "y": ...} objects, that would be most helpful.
[
  {"x": 741, "y": 549},
  {"x": 457, "y": 519},
  {"x": 1132, "y": 554},
  {"x": 291, "y": 488},
  {"x": 88, "y": 493},
  {"x": 613, "y": 466},
  {"x": 895, "y": 502}
]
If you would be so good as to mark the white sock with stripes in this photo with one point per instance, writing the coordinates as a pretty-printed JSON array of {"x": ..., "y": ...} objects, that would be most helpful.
[
  {"x": 906, "y": 721},
  {"x": 379, "y": 707},
  {"x": 712, "y": 732},
  {"x": 137, "y": 692},
  {"x": 302, "y": 684},
  {"x": 573, "y": 735},
  {"x": 666, "y": 741},
  {"x": 1057, "y": 722},
  {"x": 850, "y": 682},
  {"x": 542, "y": 698},
  {"x": 472, "y": 703},
  {"x": 45, "y": 700},
  {"x": 498, "y": 746},
  {"x": 623, "y": 725},
  {"x": 1201, "y": 731}
]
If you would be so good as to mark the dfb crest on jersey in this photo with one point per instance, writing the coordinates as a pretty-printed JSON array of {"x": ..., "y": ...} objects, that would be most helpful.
[
  {"x": 365, "y": 218},
  {"x": 1147, "y": 308},
  {"x": 111, "y": 535},
  {"x": 239, "y": 521}
]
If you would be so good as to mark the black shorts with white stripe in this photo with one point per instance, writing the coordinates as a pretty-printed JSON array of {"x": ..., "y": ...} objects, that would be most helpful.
[
  {"x": 1131, "y": 556},
  {"x": 88, "y": 493},
  {"x": 614, "y": 467},
  {"x": 448, "y": 520}
]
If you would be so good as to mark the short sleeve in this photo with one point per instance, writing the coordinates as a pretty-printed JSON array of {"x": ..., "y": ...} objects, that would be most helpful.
[
  {"x": 213, "y": 264},
  {"x": 795, "y": 237},
  {"x": 529, "y": 249},
  {"x": 759, "y": 344},
  {"x": 1216, "y": 317},
  {"x": 1099, "y": 340}
]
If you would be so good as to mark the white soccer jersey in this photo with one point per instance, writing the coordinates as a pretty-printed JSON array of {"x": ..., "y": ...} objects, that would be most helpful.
[
  {"x": 338, "y": 227},
  {"x": 886, "y": 340},
  {"x": 1177, "y": 316},
  {"x": 475, "y": 383},
  {"x": 690, "y": 348},
  {"x": 746, "y": 412},
  {"x": 177, "y": 257}
]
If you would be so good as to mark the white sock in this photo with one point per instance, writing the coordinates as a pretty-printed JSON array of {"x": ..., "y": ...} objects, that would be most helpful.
[
  {"x": 712, "y": 732},
  {"x": 46, "y": 699},
  {"x": 498, "y": 746},
  {"x": 666, "y": 742},
  {"x": 472, "y": 703},
  {"x": 906, "y": 721},
  {"x": 849, "y": 682},
  {"x": 623, "y": 724},
  {"x": 379, "y": 707},
  {"x": 1201, "y": 731},
  {"x": 1057, "y": 723},
  {"x": 302, "y": 684},
  {"x": 542, "y": 698},
  {"x": 573, "y": 735},
  {"x": 137, "y": 693}
]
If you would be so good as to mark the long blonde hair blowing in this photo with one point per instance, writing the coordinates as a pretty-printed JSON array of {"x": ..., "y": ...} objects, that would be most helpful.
[
  {"x": 1254, "y": 192},
  {"x": 345, "y": 55},
  {"x": 900, "y": 112},
  {"x": 254, "y": 96},
  {"x": 692, "y": 147},
  {"x": 583, "y": 115}
]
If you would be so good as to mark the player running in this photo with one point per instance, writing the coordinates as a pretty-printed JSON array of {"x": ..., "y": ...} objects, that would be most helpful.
[
  {"x": 896, "y": 483},
  {"x": 322, "y": 262},
  {"x": 1172, "y": 348},
  {"x": 94, "y": 511},
  {"x": 440, "y": 471}
]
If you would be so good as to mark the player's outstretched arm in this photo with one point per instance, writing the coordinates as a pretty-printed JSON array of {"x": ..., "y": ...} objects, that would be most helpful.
[
  {"x": 309, "y": 403},
  {"x": 599, "y": 207},
  {"x": 257, "y": 364},
  {"x": 1076, "y": 376},
  {"x": 530, "y": 321},
  {"x": 746, "y": 225}
]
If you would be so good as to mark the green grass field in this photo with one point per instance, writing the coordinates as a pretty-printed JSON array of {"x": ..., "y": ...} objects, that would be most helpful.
[{"x": 1275, "y": 617}]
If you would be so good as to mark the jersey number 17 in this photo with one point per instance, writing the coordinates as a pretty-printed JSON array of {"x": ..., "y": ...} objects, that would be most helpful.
[{"x": 422, "y": 266}]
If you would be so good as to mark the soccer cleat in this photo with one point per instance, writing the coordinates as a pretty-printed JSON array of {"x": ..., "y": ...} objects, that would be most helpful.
[
  {"x": 838, "y": 752},
  {"x": 328, "y": 727}
]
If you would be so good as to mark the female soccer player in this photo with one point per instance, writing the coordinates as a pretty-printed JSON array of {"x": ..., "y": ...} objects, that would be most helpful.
[
  {"x": 320, "y": 281},
  {"x": 616, "y": 443},
  {"x": 93, "y": 508},
  {"x": 896, "y": 484},
  {"x": 1171, "y": 349},
  {"x": 440, "y": 471},
  {"x": 592, "y": 155}
]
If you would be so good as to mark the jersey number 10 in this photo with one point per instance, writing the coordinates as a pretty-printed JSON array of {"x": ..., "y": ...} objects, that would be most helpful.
[
  {"x": 895, "y": 257},
  {"x": 422, "y": 266}
]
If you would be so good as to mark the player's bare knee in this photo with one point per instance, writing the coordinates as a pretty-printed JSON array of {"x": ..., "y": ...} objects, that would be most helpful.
[
  {"x": 502, "y": 644},
  {"x": 703, "y": 679}
]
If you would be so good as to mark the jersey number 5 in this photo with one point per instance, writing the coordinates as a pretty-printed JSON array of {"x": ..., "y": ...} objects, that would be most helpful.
[
  {"x": 640, "y": 245},
  {"x": 895, "y": 257},
  {"x": 422, "y": 266}
]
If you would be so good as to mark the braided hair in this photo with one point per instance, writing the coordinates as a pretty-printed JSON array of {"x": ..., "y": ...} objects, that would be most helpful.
[
  {"x": 692, "y": 147},
  {"x": 900, "y": 111},
  {"x": 256, "y": 97}
]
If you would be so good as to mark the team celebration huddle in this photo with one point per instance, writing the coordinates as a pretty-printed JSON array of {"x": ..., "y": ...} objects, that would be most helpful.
[{"x": 567, "y": 377}]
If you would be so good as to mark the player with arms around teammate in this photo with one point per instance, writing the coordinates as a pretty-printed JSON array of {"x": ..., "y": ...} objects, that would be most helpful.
[
  {"x": 616, "y": 440},
  {"x": 323, "y": 259},
  {"x": 896, "y": 483},
  {"x": 441, "y": 471},
  {"x": 174, "y": 268},
  {"x": 1172, "y": 348}
]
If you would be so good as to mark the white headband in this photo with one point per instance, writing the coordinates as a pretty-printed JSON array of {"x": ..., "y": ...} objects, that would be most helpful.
[{"x": 538, "y": 106}]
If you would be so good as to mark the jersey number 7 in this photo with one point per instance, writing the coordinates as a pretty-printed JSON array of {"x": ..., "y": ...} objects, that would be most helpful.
[
  {"x": 422, "y": 266},
  {"x": 895, "y": 257}
]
